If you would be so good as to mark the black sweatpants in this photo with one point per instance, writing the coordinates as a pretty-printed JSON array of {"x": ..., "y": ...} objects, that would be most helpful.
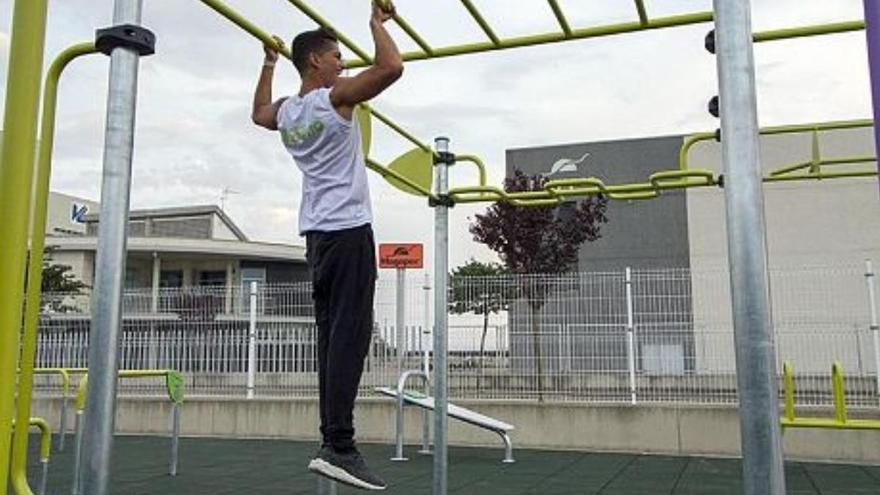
[{"x": 343, "y": 266}]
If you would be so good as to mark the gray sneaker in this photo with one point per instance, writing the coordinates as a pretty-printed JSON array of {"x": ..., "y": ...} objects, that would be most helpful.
[{"x": 349, "y": 468}]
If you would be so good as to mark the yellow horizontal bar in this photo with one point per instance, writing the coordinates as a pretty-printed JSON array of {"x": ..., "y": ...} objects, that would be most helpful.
[
  {"x": 690, "y": 141},
  {"x": 539, "y": 39},
  {"x": 852, "y": 424},
  {"x": 823, "y": 175},
  {"x": 801, "y": 32},
  {"x": 82, "y": 387}
]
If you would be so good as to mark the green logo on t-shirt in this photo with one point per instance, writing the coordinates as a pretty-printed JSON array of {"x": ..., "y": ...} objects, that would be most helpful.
[{"x": 298, "y": 135}]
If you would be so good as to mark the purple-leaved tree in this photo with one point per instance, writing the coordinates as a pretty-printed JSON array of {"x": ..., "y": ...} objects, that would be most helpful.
[{"x": 538, "y": 241}]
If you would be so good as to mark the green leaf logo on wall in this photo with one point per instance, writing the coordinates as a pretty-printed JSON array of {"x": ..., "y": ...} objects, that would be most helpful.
[{"x": 299, "y": 135}]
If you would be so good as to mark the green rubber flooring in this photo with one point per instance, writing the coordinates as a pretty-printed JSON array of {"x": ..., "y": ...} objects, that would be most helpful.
[{"x": 270, "y": 467}]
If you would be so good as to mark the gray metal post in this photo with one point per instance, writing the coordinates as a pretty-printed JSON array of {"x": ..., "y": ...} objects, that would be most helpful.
[
  {"x": 875, "y": 326},
  {"x": 426, "y": 367},
  {"x": 398, "y": 430},
  {"x": 44, "y": 479},
  {"x": 100, "y": 417},
  {"x": 630, "y": 337},
  {"x": 77, "y": 452},
  {"x": 746, "y": 237},
  {"x": 326, "y": 486},
  {"x": 441, "y": 267},
  {"x": 175, "y": 438},
  {"x": 400, "y": 321},
  {"x": 252, "y": 342},
  {"x": 62, "y": 428}
]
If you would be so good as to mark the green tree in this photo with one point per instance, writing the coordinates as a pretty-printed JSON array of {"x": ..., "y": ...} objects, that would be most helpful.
[
  {"x": 58, "y": 279},
  {"x": 538, "y": 241},
  {"x": 477, "y": 289}
]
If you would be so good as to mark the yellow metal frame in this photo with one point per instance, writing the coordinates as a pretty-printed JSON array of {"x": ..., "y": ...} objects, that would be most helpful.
[
  {"x": 169, "y": 375},
  {"x": 840, "y": 421},
  {"x": 26, "y": 55},
  {"x": 556, "y": 191},
  {"x": 813, "y": 169}
]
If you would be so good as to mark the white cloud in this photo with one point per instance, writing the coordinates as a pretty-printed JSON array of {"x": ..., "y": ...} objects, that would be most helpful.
[{"x": 194, "y": 136}]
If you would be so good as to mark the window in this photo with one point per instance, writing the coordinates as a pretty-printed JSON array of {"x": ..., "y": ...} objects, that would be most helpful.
[
  {"x": 171, "y": 279},
  {"x": 212, "y": 278}
]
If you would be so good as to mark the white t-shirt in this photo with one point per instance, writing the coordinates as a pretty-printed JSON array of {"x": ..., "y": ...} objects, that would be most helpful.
[{"x": 327, "y": 149}]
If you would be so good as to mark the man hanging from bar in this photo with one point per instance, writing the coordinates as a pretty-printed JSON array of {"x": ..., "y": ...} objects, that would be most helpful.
[{"x": 318, "y": 128}]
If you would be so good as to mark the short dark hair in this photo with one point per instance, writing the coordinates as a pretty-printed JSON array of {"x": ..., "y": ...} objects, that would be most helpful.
[{"x": 309, "y": 42}]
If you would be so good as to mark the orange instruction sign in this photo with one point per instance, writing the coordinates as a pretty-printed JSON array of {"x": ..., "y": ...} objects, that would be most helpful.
[{"x": 401, "y": 256}]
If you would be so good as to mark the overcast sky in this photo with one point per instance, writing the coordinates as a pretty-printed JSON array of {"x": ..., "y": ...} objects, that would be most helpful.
[{"x": 194, "y": 135}]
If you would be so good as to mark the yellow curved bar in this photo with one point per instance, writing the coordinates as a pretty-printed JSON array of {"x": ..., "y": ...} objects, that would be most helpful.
[
  {"x": 476, "y": 161},
  {"x": 576, "y": 187},
  {"x": 45, "y": 437},
  {"x": 689, "y": 142},
  {"x": 63, "y": 373},
  {"x": 681, "y": 179},
  {"x": 476, "y": 194}
]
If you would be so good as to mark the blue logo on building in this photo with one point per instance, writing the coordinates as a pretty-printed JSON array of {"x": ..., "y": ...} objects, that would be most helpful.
[{"x": 78, "y": 213}]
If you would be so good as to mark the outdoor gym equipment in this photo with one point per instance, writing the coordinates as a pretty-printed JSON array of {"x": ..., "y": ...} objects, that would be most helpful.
[
  {"x": 174, "y": 387},
  {"x": 840, "y": 421},
  {"x": 737, "y": 108},
  {"x": 45, "y": 449}
]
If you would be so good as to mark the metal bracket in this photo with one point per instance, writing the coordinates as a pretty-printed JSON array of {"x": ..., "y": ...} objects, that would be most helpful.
[
  {"x": 132, "y": 36},
  {"x": 444, "y": 157},
  {"x": 442, "y": 200}
]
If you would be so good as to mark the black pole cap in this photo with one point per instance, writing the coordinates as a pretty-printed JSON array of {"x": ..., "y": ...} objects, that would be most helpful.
[
  {"x": 715, "y": 107},
  {"x": 710, "y": 42}
]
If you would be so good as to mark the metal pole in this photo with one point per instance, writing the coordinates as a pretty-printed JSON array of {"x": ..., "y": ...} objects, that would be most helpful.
[
  {"x": 630, "y": 337},
  {"x": 872, "y": 32},
  {"x": 77, "y": 451},
  {"x": 426, "y": 367},
  {"x": 16, "y": 177},
  {"x": 44, "y": 479},
  {"x": 100, "y": 415},
  {"x": 441, "y": 262},
  {"x": 875, "y": 326},
  {"x": 398, "y": 430},
  {"x": 175, "y": 438},
  {"x": 326, "y": 486},
  {"x": 252, "y": 342},
  {"x": 62, "y": 433},
  {"x": 400, "y": 321},
  {"x": 746, "y": 237}
]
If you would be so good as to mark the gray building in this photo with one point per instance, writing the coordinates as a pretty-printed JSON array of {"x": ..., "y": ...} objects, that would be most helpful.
[{"x": 682, "y": 233}]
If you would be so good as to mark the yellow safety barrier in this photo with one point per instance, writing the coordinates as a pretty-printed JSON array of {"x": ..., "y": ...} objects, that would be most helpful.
[{"x": 840, "y": 420}]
